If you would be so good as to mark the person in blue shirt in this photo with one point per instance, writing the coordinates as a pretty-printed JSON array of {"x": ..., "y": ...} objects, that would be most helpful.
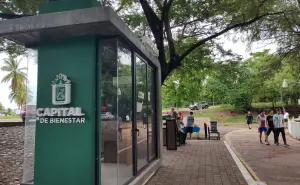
[
  {"x": 279, "y": 127},
  {"x": 190, "y": 124}
]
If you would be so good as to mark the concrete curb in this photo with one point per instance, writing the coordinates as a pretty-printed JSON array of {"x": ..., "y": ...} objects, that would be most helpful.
[
  {"x": 11, "y": 123},
  {"x": 249, "y": 175}
]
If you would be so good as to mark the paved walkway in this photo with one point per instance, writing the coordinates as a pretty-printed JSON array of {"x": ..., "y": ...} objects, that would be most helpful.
[
  {"x": 199, "y": 162},
  {"x": 275, "y": 165}
]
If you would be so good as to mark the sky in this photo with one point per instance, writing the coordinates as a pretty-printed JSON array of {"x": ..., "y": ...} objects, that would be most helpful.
[{"x": 238, "y": 47}]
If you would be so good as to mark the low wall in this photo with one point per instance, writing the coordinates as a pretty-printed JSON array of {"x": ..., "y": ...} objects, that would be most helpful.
[
  {"x": 11, "y": 155},
  {"x": 294, "y": 128},
  {"x": 11, "y": 123}
]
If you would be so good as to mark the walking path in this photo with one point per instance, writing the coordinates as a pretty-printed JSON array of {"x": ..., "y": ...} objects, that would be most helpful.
[
  {"x": 199, "y": 162},
  {"x": 211, "y": 162},
  {"x": 275, "y": 165}
]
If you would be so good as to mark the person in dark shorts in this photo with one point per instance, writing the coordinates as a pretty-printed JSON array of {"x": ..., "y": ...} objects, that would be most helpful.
[
  {"x": 270, "y": 126},
  {"x": 249, "y": 119},
  {"x": 262, "y": 124},
  {"x": 190, "y": 124}
]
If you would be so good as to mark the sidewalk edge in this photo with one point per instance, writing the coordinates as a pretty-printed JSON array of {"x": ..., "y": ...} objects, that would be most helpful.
[{"x": 242, "y": 167}]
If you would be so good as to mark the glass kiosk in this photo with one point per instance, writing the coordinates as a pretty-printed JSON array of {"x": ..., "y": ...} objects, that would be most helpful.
[{"x": 94, "y": 95}]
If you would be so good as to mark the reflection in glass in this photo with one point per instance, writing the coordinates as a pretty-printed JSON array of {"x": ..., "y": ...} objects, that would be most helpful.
[
  {"x": 151, "y": 111},
  {"x": 142, "y": 113},
  {"x": 29, "y": 111},
  {"x": 116, "y": 113},
  {"x": 125, "y": 114},
  {"x": 109, "y": 112}
]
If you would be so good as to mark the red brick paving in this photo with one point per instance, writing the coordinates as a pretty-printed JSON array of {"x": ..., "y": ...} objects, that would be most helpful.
[
  {"x": 199, "y": 162},
  {"x": 275, "y": 165}
]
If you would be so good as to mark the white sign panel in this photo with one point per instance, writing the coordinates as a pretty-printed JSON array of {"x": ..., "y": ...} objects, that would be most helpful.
[{"x": 61, "y": 95}]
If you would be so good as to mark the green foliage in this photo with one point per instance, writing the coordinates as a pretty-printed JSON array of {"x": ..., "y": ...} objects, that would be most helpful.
[
  {"x": 185, "y": 84},
  {"x": 258, "y": 79},
  {"x": 266, "y": 104},
  {"x": 8, "y": 112},
  {"x": 178, "y": 27},
  {"x": 16, "y": 76},
  {"x": 1, "y": 107}
]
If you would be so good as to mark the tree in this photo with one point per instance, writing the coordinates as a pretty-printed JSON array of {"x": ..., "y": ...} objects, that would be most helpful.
[
  {"x": 20, "y": 95},
  {"x": 205, "y": 21},
  {"x": 17, "y": 77},
  {"x": 282, "y": 30},
  {"x": 1, "y": 107},
  {"x": 185, "y": 84},
  {"x": 8, "y": 112},
  {"x": 177, "y": 27}
]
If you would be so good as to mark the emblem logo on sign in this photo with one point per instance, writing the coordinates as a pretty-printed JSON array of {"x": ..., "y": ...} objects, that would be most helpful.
[
  {"x": 61, "y": 95},
  {"x": 61, "y": 90}
]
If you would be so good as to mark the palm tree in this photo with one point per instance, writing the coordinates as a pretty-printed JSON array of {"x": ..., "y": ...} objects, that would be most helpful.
[
  {"x": 17, "y": 77},
  {"x": 19, "y": 96},
  {"x": 15, "y": 73}
]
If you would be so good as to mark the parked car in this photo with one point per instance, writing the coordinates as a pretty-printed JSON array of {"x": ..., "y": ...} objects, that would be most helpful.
[
  {"x": 107, "y": 115},
  {"x": 197, "y": 106}
]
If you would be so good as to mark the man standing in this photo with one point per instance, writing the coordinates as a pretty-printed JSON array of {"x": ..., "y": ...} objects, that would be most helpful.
[
  {"x": 173, "y": 114},
  {"x": 262, "y": 124},
  {"x": 279, "y": 127},
  {"x": 270, "y": 126},
  {"x": 190, "y": 124}
]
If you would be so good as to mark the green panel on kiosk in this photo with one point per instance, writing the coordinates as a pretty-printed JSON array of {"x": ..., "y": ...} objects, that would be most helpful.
[
  {"x": 65, "y": 153},
  {"x": 65, "y": 5}
]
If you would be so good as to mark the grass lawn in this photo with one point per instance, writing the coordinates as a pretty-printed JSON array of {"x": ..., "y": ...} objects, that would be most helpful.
[
  {"x": 226, "y": 114},
  {"x": 10, "y": 117},
  {"x": 220, "y": 108},
  {"x": 267, "y": 105}
]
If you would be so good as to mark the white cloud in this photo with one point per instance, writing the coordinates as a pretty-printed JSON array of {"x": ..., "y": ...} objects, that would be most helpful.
[{"x": 234, "y": 41}]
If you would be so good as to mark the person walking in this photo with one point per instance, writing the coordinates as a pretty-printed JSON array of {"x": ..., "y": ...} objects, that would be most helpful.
[
  {"x": 190, "y": 124},
  {"x": 279, "y": 127},
  {"x": 285, "y": 116},
  {"x": 249, "y": 119},
  {"x": 144, "y": 120},
  {"x": 270, "y": 126},
  {"x": 262, "y": 125}
]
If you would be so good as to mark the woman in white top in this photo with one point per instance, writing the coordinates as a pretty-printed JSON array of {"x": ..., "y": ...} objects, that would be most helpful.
[{"x": 285, "y": 116}]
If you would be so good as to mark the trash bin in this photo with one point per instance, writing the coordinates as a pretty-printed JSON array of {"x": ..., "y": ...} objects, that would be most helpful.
[
  {"x": 171, "y": 134},
  {"x": 164, "y": 137}
]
